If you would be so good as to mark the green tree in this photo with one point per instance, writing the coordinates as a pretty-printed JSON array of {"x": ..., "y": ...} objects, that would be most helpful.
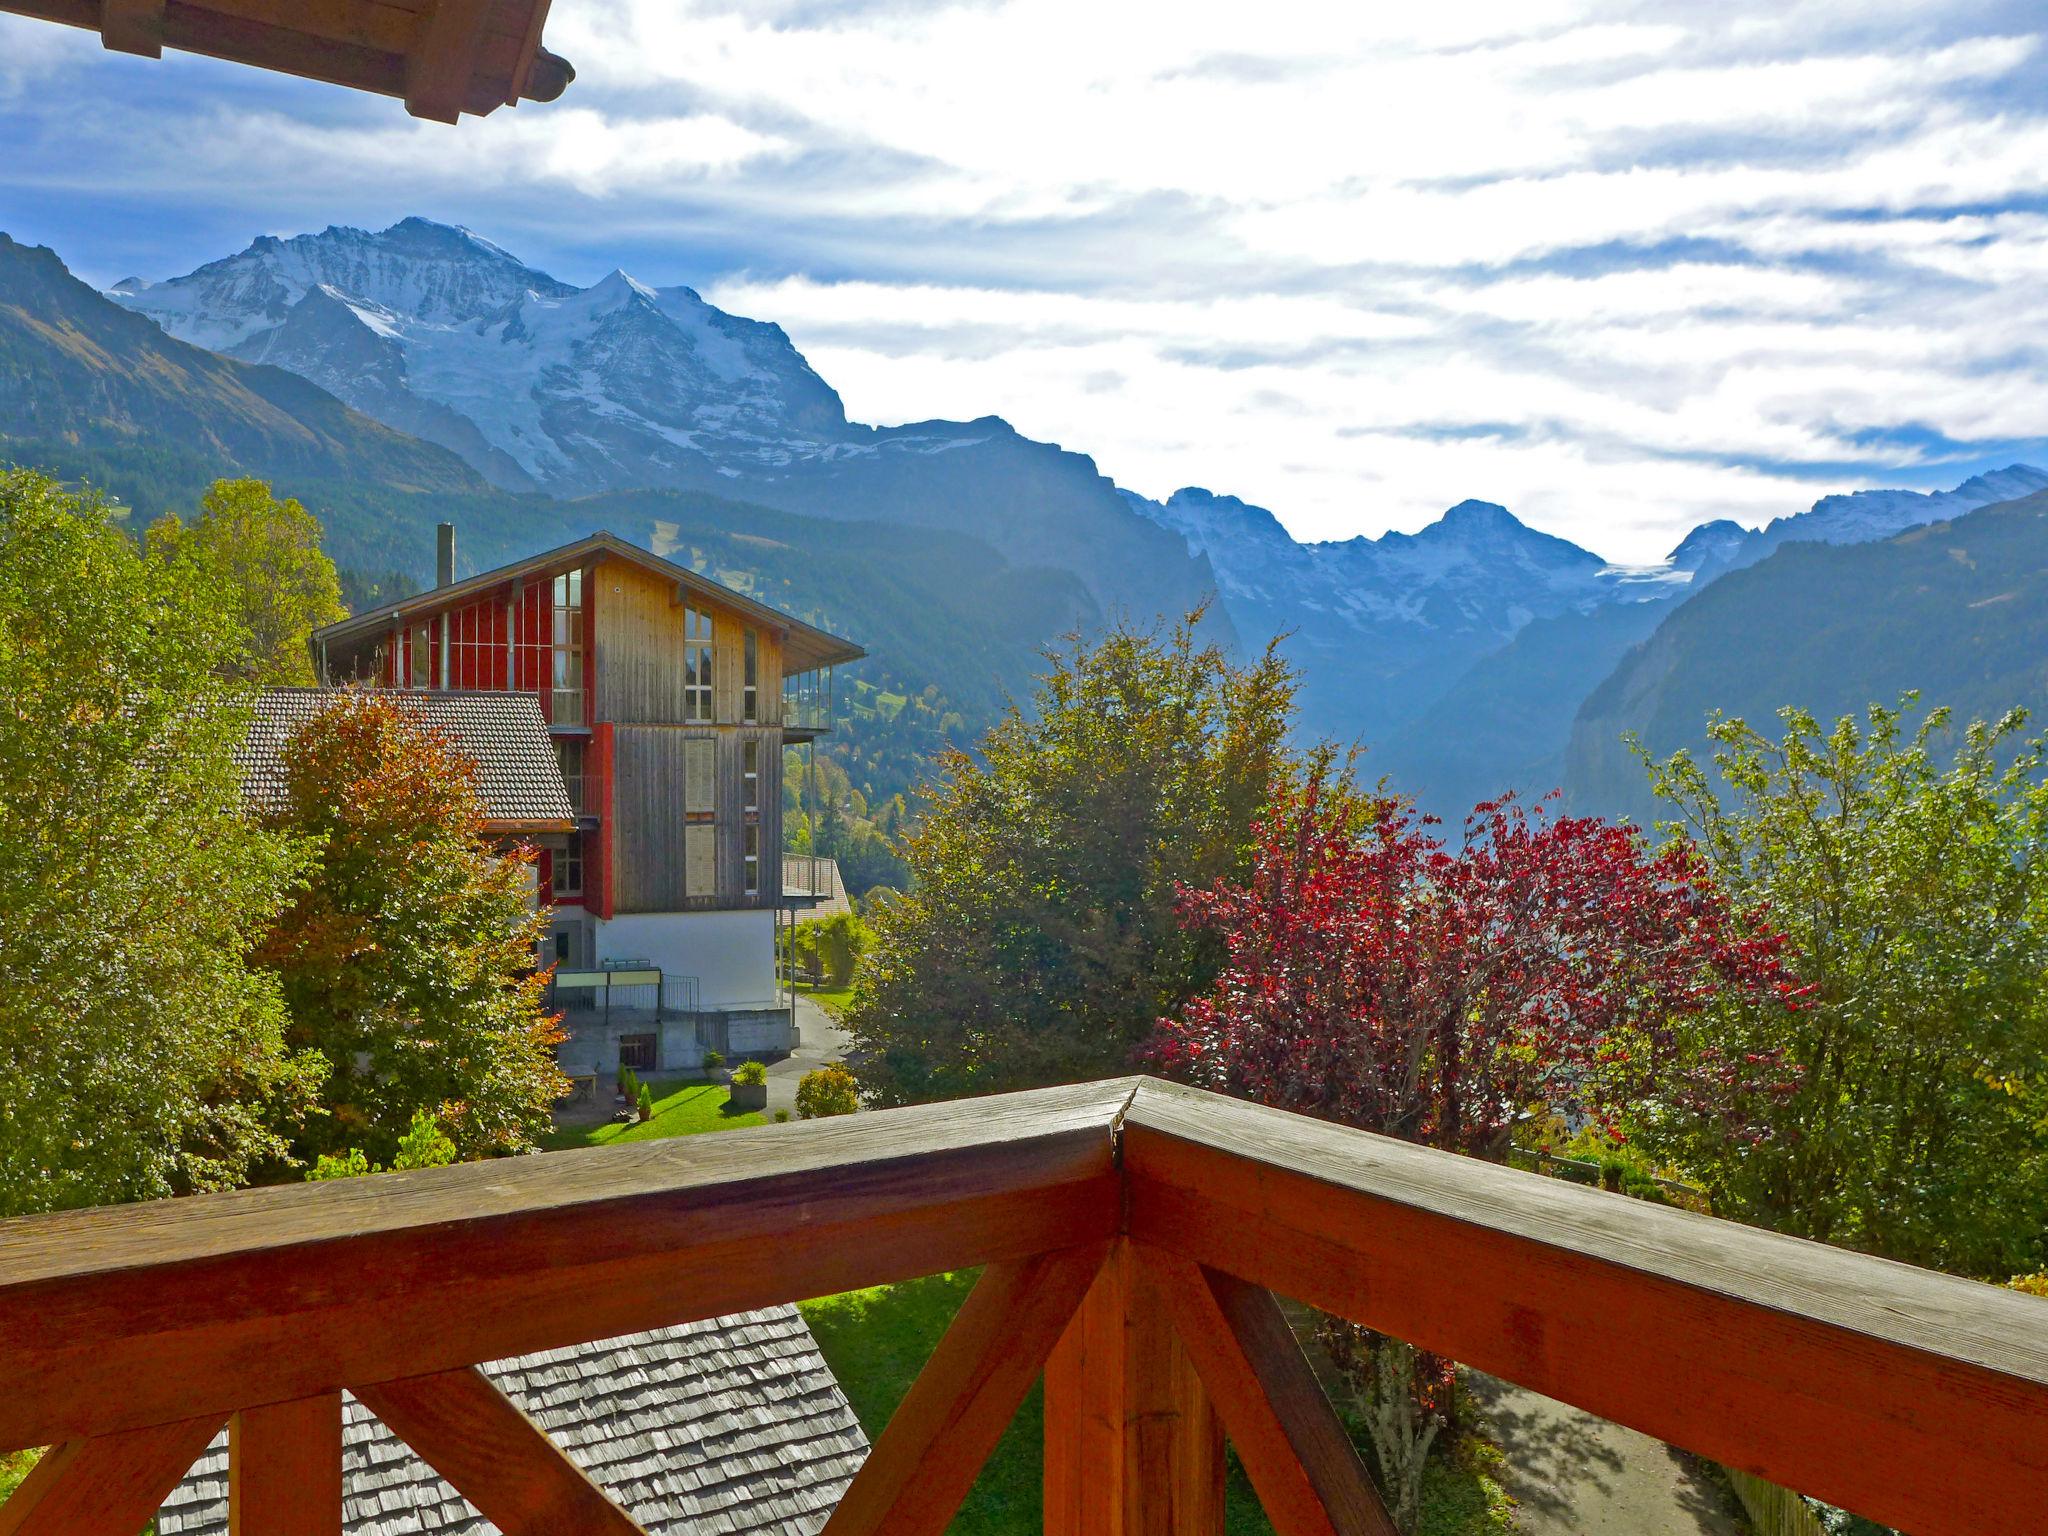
[
  {"x": 140, "y": 1054},
  {"x": 407, "y": 959},
  {"x": 266, "y": 555},
  {"x": 1039, "y": 942},
  {"x": 1914, "y": 888}
]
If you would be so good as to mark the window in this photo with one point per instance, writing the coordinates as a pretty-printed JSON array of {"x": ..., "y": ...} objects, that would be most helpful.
[
  {"x": 568, "y": 864},
  {"x": 750, "y": 684},
  {"x": 569, "y": 754},
  {"x": 420, "y": 657},
  {"x": 750, "y": 777},
  {"x": 566, "y": 644},
  {"x": 750, "y": 845},
  {"x": 696, "y": 664}
]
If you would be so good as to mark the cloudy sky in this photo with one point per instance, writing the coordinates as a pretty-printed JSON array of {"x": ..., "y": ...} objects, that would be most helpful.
[{"x": 1620, "y": 267}]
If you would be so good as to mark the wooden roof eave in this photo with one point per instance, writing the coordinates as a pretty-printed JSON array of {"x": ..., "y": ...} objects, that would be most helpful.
[
  {"x": 808, "y": 645},
  {"x": 442, "y": 58}
]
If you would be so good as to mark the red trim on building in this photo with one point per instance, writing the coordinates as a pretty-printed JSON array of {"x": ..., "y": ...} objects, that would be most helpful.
[{"x": 597, "y": 843}]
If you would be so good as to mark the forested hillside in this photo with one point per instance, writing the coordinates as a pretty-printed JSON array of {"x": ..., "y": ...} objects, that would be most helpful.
[{"x": 1955, "y": 610}]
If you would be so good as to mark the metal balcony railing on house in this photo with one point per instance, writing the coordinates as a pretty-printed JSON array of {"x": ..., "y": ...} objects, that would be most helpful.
[
  {"x": 1132, "y": 1234},
  {"x": 628, "y": 987},
  {"x": 810, "y": 877},
  {"x": 807, "y": 701},
  {"x": 565, "y": 706}
]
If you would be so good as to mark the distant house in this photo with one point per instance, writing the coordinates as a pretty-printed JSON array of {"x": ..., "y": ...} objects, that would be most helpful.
[
  {"x": 735, "y": 1425},
  {"x": 669, "y": 699}
]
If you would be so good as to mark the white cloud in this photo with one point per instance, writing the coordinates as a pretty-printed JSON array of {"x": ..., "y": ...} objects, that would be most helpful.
[{"x": 1623, "y": 266}]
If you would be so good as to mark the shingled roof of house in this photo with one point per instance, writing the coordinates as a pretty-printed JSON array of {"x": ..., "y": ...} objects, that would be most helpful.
[
  {"x": 517, "y": 773},
  {"x": 735, "y": 1425}
]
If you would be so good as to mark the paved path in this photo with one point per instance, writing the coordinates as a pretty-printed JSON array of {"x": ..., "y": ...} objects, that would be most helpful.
[
  {"x": 1573, "y": 1474},
  {"x": 819, "y": 1040}
]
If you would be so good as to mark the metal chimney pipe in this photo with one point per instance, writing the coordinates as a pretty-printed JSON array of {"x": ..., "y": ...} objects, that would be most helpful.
[{"x": 444, "y": 554}]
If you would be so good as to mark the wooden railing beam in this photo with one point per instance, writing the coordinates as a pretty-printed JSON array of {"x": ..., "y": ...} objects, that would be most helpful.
[
  {"x": 1133, "y": 1446},
  {"x": 961, "y": 1402},
  {"x": 109, "y": 1485},
  {"x": 115, "y": 1318},
  {"x": 491, "y": 1453},
  {"x": 1294, "y": 1447},
  {"x": 1916, "y": 1399},
  {"x": 284, "y": 1469}
]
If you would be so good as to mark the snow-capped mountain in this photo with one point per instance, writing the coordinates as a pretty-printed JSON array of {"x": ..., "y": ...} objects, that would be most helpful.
[
  {"x": 539, "y": 384},
  {"x": 1863, "y": 516}
]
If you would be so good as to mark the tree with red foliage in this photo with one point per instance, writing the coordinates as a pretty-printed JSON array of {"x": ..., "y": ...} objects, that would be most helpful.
[{"x": 1380, "y": 977}]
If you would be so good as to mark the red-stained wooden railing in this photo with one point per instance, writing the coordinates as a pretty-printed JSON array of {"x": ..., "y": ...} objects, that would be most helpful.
[{"x": 1132, "y": 1236}]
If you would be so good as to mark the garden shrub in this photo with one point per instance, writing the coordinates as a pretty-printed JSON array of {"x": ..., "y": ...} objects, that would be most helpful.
[
  {"x": 713, "y": 1060},
  {"x": 830, "y": 1090},
  {"x": 750, "y": 1074}
]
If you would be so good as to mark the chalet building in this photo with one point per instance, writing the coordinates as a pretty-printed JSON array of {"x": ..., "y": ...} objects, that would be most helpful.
[{"x": 669, "y": 699}]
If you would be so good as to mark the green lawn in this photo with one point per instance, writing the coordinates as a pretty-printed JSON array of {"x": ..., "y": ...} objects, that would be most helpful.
[
  {"x": 686, "y": 1107},
  {"x": 832, "y": 999}
]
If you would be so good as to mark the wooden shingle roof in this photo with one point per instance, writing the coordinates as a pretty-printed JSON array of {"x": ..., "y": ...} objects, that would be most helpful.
[
  {"x": 734, "y": 1425},
  {"x": 518, "y": 777}
]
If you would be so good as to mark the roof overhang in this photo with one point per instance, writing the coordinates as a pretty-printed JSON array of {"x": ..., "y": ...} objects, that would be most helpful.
[
  {"x": 440, "y": 57},
  {"x": 805, "y": 645}
]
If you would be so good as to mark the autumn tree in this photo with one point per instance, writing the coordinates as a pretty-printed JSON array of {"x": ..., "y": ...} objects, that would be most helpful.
[
  {"x": 140, "y": 1054},
  {"x": 1380, "y": 976},
  {"x": 407, "y": 960},
  {"x": 1911, "y": 872},
  {"x": 265, "y": 554},
  {"x": 1040, "y": 941}
]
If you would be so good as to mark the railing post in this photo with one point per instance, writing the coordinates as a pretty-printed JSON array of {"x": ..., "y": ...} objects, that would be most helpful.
[
  {"x": 284, "y": 1469},
  {"x": 1133, "y": 1446}
]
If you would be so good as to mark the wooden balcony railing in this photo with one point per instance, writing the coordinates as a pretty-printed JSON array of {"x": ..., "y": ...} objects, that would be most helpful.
[{"x": 1133, "y": 1235}]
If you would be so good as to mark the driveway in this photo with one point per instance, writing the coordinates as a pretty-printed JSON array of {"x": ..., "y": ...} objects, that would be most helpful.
[
  {"x": 820, "y": 1039},
  {"x": 1574, "y": 1474}
]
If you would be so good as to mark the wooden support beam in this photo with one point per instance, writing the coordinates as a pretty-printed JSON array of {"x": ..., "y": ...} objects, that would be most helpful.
[
  {"x": 494, "y": 1455},
  {"x": 440, "y": 68},
  {"x": 133, "y": 26},
  {"x": 284, "y": 1468},
  {"x": 1293, "y": 1446},
  {"x": 1132, "y": 1445},
  {"x": 110, "y": 1485},
  {"x": 943, "y": 1430},
  {"x": 1918, "y": 1400}
]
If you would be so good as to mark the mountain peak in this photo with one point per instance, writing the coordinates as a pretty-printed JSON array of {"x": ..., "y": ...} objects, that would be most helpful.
[{"x": 1472, "y": 514}]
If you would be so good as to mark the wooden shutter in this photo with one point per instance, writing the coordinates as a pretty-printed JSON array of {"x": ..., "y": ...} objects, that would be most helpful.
[
  {"x": 700, "y": 859},
  {"x": 700, "y": 772}
]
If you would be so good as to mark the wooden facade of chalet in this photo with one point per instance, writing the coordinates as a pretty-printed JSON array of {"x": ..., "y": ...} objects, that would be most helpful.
[
  {"x": 1132, "y": 1236},
  {"x": 668, "y": 695}
]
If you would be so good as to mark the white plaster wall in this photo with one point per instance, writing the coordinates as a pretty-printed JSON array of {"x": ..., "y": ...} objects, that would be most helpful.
[{"x": 732, "y": 954}]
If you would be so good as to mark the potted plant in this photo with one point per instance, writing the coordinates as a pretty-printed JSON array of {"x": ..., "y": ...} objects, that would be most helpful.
[
  {"x": 749, "y": 1086},
  {"x": 646, "y": 1103},
  {"x": 714, "y": 1064}
]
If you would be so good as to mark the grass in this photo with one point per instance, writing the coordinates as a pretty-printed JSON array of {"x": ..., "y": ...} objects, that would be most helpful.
[
  {"x": 685, "y": 1107},
  {"x": 877, "y": 1340},
  {"x": 833, "y": 1000},
  {"x": 14, "y": 1466}
]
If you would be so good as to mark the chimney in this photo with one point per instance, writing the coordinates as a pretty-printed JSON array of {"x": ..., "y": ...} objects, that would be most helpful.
[{"x": 444, "y": 554}]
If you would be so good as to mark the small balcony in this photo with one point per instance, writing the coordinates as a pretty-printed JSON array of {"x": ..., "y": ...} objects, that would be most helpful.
[
  {"x": 1132, "y": 1237},
  {"x": 807, "y": 703}
]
